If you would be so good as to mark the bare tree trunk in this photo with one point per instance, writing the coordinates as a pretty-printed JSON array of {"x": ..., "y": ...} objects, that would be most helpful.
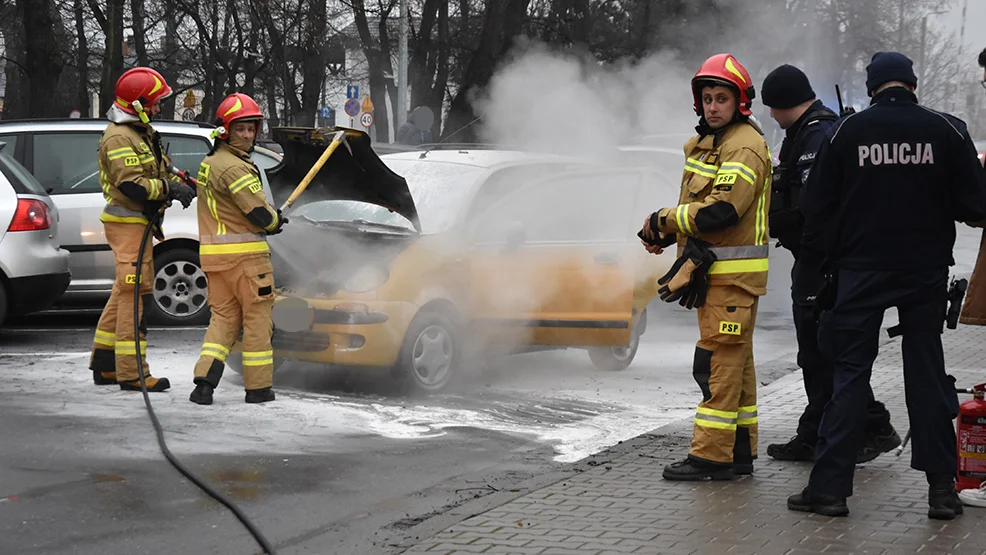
[
  {"x": 502, "y": 22},
  {"x": 275, "y": 120},
  {"x": 378, "y": 58},
  {"x": 112, "y": 23},
  {"x": 140, "y": 43},
  {"x": 16, "y": 95},
  {"x": 313, "y": 64},
  {"x": 168, "y": 68},
  {"x": 82, "y": 58},
  {"x": 43, "y": 57}
]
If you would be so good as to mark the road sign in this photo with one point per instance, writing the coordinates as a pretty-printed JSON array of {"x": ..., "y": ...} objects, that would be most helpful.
[
  {"x": 352, "y": 91},
  {"x": 352, "y": 106},
  {"x": 366, "y": 119},
  {"x": 189, "y": 99},
  {"x": 188, "y": 114},
  {"x": 326, "y": 112},
  {"x": 367, "y": 104}
]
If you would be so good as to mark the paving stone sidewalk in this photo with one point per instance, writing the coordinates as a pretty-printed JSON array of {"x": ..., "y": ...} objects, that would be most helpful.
[{"x": 624, "y": 506}]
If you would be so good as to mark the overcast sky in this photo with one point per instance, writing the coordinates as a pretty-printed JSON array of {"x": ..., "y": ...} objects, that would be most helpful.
[{"x": 975, "y": 23}]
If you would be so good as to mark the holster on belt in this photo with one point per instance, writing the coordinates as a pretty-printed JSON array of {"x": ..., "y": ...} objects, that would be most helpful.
[{"x": 687, "y": 281}]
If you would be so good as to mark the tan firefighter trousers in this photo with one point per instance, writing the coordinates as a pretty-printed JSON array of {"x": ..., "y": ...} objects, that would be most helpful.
[
  {"x": 240, "y": 297},
  {"x": 724, "y": 370},
  {"x": 113, "y": 347}
]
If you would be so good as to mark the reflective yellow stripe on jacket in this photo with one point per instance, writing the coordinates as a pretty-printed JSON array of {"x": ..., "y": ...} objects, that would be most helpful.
[
  {"x": 233, "y": 243},
  {"x": 120, "y": 215}
]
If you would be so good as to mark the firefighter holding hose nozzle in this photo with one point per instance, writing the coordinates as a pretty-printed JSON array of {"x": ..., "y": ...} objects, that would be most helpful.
[
  {"x": 134, "y": 173},
  {"x": 234, "y": 221}
]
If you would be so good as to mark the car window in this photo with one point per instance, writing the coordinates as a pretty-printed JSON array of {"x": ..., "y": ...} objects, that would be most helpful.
[
  {"x": 20, "y": 179},
  {"x": 186, "y": 153},
  {"x": 591, "y": 207},
  {"x": 506, "y": 180},
  {"x": 11, "y": 141},
  {"x": 66, "y": 163}
]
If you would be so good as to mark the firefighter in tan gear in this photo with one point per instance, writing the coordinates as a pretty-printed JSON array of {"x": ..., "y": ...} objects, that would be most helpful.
[
  {"x": 720, "y": 226},
  {"x": 134, "y": 176},
  {"x": 234, "y": 220}
]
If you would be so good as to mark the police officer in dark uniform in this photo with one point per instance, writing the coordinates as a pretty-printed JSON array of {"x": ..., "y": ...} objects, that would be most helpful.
[
  {"x": 881, "y": 202},
  {"x": 794, "y": 107}
]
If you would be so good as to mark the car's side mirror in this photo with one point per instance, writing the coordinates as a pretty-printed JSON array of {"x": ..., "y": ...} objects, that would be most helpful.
[{"x": 515, "y": 236}]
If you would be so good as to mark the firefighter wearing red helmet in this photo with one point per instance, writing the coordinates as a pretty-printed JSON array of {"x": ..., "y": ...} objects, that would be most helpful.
[
  {"x": 134, "y": 175},
  {"x": 720, "y": 227},
  {"x": 234, "y": 221}
]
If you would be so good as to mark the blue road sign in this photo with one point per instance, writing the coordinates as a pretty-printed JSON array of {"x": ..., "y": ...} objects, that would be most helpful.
[
  {"x": 352, "y": 107},
  {"x": 326, "y": 112},
  {"x": 352, "y": 91}
]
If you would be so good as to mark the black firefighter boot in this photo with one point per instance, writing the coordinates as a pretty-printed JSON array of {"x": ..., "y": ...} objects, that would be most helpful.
[
  {"x": 694, "y": 470},
  {"x": 259, "y": 395},
  {"x": 825, "y": 505},
  {"x": 742, "y": 453},
  {"x": 943, "y": 500},
  {"x": 798, "y": 449},
  {"x": 878, "y": 443},
  {"x": 203, "y": 392}
]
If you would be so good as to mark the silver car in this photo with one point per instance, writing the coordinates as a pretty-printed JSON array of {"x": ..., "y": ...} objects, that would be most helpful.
[
  {"x": 61, "y": 153},
  {"x": 34, "y": 271}
]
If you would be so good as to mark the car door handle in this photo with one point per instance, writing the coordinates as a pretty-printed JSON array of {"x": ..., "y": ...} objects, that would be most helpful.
[{"x": 606, "y": 258}]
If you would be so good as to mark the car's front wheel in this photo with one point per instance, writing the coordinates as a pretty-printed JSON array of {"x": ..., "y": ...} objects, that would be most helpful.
[
  {"x": 180, "y": 290},
  {"x": 430, "y": 355},
  {"x": 619, "y": 358}
]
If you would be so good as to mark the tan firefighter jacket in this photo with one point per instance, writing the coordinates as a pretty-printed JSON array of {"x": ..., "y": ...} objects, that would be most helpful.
[
  {"x": 133, "y": 173},
  {"x": 229, "y": 190},
  {"x": 724, "y": 200}
]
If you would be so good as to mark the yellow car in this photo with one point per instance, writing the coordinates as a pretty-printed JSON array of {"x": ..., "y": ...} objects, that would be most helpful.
[{"x": 422, "y": 261}]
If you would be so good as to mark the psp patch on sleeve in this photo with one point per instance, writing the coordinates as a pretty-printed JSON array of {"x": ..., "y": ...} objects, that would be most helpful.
[
  {"x": 255, "y": 187},
  {"x": 726, "y": 179},
  {"x": 730, "y": 328}
]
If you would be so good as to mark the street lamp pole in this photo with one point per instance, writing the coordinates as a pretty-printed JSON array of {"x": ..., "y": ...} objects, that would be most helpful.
[{"x": 401, "y": 107}]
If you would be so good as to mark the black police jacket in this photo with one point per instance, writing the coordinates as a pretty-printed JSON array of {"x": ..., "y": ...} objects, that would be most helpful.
[
  {"x": 888, "y": 186},
  {"x": 801, "y": 144}
]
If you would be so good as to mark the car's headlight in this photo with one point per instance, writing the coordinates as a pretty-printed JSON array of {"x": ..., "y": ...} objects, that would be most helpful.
[{"x": 366, "y": 279}]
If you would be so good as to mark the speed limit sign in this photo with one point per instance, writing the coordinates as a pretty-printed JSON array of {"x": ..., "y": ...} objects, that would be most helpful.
[{"x": 366, "y": 119}]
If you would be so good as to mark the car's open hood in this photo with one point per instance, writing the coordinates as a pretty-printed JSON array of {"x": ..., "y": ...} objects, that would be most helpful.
[{"x": 353, "y": 173}]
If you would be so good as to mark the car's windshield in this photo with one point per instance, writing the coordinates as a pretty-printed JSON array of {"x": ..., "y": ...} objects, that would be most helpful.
[{"x": 439, "y": 190}]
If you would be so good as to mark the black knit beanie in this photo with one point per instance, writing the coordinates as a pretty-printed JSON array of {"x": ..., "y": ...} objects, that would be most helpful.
[
  {"x": 786, "y": 87},
  {"x": 889, "y": 66}
]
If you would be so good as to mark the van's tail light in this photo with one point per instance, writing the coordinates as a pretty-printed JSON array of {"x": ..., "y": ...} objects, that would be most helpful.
[{"x": 31, "y": 215}]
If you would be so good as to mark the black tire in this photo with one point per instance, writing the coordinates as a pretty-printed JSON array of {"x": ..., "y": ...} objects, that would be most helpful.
[
  {"x": 180, "y": 290},
  {"x": 3, "y": 303},
  {"x": 435, "y": 332},
  {"x": 615, "y": 359}
]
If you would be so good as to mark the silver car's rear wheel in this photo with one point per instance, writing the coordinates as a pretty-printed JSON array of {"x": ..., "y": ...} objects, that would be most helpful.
[{"x": 180, "y": 289}]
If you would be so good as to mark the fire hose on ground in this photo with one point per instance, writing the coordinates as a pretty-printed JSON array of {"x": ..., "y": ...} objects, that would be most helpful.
[{"x": 256, "y": 533}]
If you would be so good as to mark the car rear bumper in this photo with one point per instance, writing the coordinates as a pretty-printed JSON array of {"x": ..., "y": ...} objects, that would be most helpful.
[{"x": 35, "y": 293}]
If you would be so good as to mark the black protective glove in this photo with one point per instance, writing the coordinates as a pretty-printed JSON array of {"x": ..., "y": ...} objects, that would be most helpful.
[
  {"x": 281, "y": 220},
  {"x": 181, "y": 192},
  {"x": 691, "y": 267},
  {"x": 669, "y": 239},
  {"x": 697, "y": 289}
]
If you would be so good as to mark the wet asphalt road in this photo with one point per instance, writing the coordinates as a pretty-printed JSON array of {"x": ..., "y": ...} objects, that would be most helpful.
[{"x": 332, "y": 466}]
